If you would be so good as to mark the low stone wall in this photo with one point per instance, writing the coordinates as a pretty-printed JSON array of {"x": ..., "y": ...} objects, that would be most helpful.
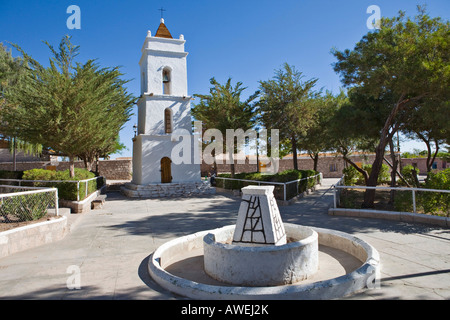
[
  {"x": 408, "y": 217},
  {"x": 83, "y": 206},
  {"x": 31, "y": 236},
  {"x": 110, "y": 169},
  {"x": 116, "y": 169},
  {"x": 330, "y": 166},
  {"x": 167, "y": 190}
]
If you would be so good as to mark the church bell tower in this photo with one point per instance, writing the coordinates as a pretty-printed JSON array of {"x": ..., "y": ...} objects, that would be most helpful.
[{"x": 163, "y": 110}]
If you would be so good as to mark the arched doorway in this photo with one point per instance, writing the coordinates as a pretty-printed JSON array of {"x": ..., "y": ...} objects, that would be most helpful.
[{"x": 166, "y": 170}]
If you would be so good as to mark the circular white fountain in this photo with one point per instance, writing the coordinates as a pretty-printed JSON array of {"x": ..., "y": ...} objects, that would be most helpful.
[
  {"x": 258, "y": 251},
  {"x": 262, "y": 258},
  {"x": 261, "y": 266}
]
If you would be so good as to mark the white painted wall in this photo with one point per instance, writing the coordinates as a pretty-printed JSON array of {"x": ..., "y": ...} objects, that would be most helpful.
[
  {"x": 147, "y": 154},
  {"x": 157, "y": 54},
  {"x": 151, "y": 114},
  {"x": 152, "y": 143}
]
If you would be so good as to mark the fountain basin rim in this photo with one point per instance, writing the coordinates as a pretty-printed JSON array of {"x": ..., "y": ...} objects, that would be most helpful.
[
  {"x": 210, "y": 239},
  {"x": 267, "y": 265},
  {"x": 327, "y": 289}
]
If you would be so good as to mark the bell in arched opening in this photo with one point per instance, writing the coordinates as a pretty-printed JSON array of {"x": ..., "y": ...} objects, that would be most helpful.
[{"x": 166, "y": 81}]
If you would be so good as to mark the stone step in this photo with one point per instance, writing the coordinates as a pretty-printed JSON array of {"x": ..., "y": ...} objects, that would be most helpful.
[
  {"x": 98, "y": 202},
  {"x": 167, "y": 190},
  {"x": 113, "y": 187}
]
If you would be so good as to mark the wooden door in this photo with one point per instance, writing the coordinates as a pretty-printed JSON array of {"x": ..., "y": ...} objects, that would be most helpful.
[{"x": 166, "y": 170}]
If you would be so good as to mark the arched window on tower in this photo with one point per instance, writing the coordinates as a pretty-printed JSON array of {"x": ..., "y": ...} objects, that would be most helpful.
[
  {"x": 167, "y": 81},
  {"x": 168, "y": 121}
]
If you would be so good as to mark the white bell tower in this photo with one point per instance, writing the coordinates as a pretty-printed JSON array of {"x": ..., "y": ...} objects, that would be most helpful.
[{"x": 163, "y": 110}]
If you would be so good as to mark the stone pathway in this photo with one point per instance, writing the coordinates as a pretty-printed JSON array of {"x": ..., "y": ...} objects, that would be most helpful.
[{"x": 110, "y": 248}]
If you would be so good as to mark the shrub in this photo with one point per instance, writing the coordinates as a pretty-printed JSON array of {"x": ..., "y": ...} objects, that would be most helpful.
[
  {"x": 437, "y": 202},
  {"x": 24, "y": 207},
  {"x": 309, "y": 183},
  {"x": 403, "y": 201},
  {"x": 383, "y": 175},
  {"x": 4, "y": 174},
  {"x": 439, "y": 180},
  {"x": 408, "y": 173},
  {"x": 350, "y": 199},
  {"x": 66, "y": 190},
  {"x": 284, "y": 176},
  {"x": 353, "y": 176},
  {"x": 39, "y": 174},
  {"x": 350, "y": 175}
]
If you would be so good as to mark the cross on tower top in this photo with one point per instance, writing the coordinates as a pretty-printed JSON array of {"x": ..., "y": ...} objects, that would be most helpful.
[{"x": 162, "y": 12}]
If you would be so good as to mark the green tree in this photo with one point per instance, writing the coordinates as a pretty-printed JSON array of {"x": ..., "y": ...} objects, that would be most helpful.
[
  {"x": 12, "y": 70},
  {"x": 344, "y": 130},
  {"x": 320, "y": 136},
  {"x": 72, "y": 109},
  {"x": 401, "y": 64},
  {"x": 223, "y": 109},
  {"x": 429, "y": 124},
  {"x": 287, "y": 104}
]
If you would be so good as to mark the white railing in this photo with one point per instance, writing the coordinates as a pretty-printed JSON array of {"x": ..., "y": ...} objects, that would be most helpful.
[
  {"x": 29, "y": 191},
  {"x": 413, "y": 190},
  {"x": 284, "y": 184},
  {"x": 336, "y": 193},
  {"x": 78, "y": 182}
]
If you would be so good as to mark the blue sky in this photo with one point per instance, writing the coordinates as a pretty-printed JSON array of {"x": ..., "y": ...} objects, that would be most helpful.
[{"x": 246, "y": 40}]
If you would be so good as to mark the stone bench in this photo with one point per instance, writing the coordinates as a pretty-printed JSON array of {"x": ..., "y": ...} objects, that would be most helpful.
[{"x": 98, "y": 202}]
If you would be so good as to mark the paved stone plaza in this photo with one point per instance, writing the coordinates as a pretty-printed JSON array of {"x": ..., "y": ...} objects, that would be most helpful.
[{"x": 111, "y": 247}]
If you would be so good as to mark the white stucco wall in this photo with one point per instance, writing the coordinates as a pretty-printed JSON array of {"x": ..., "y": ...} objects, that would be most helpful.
[
  {"x": 137, "y": 160},
  {"x": 151, "y": 114},
  {"x": 152, "y": 143},
  {"x": 160, "y": 53},
  {"x": 148, "y": 151}
]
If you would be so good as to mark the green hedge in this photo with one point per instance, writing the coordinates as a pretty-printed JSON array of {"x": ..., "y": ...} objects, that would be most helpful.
[
  {"x": 408, "y": 174},
  {"x": 10, "y": 175},
  {"x": 284, "y": 176},
  {"x": 353, "y": 176},
  {"x": 435, "y": 203},
  {"x": 66, "y": 190}
]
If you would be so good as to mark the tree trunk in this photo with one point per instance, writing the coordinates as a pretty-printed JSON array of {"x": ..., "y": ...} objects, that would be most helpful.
[
  {"x": 393, "y": 171},
  {"x": 430, "y": 159},
  {"x": 385, "y": 137},
  {"x": 96, "y": 166},
  {"x": 257, "y": 152},
  {"x": 398, "y": 173},
  {"x": 362, "y": 171},
  {"x": 434, "y": 155},
  {"x": 316, "y": 161},
  {"x": 369, "y": 194},
  {"x": 294, "y": 152},
  {"x": 87, "y": 164},
  {"x": 428, "y": 144},
  {"x": 14, "y": 155},
  {"x": 71, "y": 166},
  {"x": 233, "y": 170}
]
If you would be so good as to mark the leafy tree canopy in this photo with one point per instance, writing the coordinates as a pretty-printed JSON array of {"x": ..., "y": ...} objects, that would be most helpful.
[{"x": 75, "y": 109}]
